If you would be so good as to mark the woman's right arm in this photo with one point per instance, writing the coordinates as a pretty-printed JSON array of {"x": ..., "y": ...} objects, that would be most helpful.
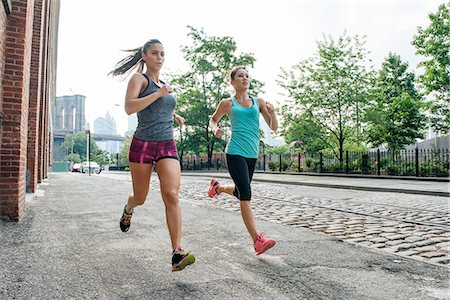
[
  {"x": 134, "y": 104},
  {"x": 223, "y": 108}
]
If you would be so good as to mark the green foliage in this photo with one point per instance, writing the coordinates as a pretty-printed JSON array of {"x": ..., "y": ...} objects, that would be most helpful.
[
  {"x": 433, "y": 44},
  {"x": 301, "y": 127},
  {"x": 394, "y": 116},
  {"x": 77, "y": 144},
  {"x": 435, "y": 167},
  {"x": 365, "y": 164},
  {"x": 275, "y": 165},
  {"x": 74, "y": 157},
  {"x": 329, "y": 93},
  {"x": 123, "y": 155},
  {"x": 312, "y": 165},
  {"x": 276, "y": 150},
  {"x": 355, "y": 146},
  {"x": 100, "y": 156}
]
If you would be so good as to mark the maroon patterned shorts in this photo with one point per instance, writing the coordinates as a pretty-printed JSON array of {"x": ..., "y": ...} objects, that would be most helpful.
[{"x": 150, "y": 152}]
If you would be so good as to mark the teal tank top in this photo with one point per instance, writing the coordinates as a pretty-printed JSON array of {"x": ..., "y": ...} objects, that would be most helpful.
[{"x": 244, "y": 121}]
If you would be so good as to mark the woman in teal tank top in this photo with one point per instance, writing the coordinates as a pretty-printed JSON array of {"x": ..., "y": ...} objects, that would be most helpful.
[{"x": 242, "y": 148}]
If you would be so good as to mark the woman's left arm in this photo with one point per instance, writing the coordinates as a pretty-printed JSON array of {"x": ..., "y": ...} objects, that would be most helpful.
[
  {"x": 268, "y": 112},
  {"x": 180, "y": 120}
]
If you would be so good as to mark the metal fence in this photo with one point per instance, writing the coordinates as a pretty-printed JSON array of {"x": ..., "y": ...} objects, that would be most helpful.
[{"x": 417, "y": 162}]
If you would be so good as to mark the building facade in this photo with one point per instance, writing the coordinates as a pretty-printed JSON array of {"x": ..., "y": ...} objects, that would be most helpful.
[{"x": 28, "y": 49}]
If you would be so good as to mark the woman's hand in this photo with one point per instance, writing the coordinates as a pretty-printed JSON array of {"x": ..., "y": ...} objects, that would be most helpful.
[
  {"x": 166, "y": 89},
  {"x": 270, "y": 107},
  {"x": 180, "y": 120},
  {"x": 218, "y": 132}
]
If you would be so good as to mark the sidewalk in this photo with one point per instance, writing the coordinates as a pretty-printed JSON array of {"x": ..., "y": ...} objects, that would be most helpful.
[
  {"x": 423, "y": 186},
  {"x": 69, "y": 246}
]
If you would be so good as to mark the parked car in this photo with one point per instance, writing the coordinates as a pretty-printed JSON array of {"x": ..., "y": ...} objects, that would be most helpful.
[
  {"x": 94, "y": 167},
  {"x": 76, "y": 167}
]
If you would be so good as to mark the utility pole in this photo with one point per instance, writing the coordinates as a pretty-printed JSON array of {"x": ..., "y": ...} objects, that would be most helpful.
[{"x": 88, "y": 149}]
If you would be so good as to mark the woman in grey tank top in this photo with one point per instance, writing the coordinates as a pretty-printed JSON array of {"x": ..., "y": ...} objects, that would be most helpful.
[{"x": 153, "y": 142}]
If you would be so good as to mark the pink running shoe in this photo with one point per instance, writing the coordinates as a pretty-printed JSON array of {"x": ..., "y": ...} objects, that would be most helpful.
[
  {"x": 214, "y": 185},
  {"x": 261, "y": 244}
]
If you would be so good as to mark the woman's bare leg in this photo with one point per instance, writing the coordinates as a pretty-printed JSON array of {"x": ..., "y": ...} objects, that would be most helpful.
[
  {"x": 227, "y": 189},
  {"x": 140, "y": 175},
  {"x": 249, "y": 220},
  {"x": 246, "y": 210},
  {"x": 169, "y": 177}
]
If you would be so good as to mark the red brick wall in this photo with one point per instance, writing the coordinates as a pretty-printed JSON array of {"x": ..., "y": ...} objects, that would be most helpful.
[
  {"x": 34, "y": 114},
  {"x": 25, "y": 98},
  {"x": 2, "y": 48},
  {"x": 15, "y": 86},
  {"x": 42, "y": 169}
]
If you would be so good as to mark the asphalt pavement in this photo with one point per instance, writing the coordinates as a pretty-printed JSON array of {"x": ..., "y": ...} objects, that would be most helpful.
[{"x": 68, "y": 245}]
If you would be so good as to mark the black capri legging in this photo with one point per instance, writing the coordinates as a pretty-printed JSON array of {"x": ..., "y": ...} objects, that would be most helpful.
[{"x": 241, "y": 170}]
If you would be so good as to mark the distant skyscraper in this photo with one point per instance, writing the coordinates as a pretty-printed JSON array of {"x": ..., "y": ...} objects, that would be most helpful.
[{"x": 106, "y": 125}]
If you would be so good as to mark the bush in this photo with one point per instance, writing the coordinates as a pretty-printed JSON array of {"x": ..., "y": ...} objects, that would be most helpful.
[
  {"x": 312, "y": 165},
  {"x": 365, "y": 167},
  {"x": 434, "y": 167},
  {"x": 275, "y": 165}
]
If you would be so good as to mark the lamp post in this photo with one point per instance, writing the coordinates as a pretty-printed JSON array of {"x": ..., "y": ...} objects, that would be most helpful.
[{"x": 88, "y": 149}]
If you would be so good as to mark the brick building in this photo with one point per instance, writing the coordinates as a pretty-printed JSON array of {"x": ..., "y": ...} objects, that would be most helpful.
[{"x": 28, "y": 44}]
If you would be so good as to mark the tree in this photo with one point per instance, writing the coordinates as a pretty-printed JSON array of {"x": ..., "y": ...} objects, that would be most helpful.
[
  {"x": 300, "y": 127},
  {"x": 433, "y": 43},
  {"x": 101, "y": 156},
  {"x": 330, "y": 90},
  {"x": 394, "y": 116},
  {"x": 200, "y": 90},
  {"x": 123, "y": 155},
  {"x": 76, "y": 144}
]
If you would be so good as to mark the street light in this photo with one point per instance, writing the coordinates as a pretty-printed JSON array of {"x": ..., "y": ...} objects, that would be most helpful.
[{"x": 88, "y": 149}]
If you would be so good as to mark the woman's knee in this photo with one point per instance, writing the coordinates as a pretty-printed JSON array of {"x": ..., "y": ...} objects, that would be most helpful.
[
  {"x": 170, "y": 196},
  {"x": 244, "y": 193}
]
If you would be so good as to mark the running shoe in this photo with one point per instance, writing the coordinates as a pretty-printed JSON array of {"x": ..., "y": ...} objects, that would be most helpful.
[
  {"x": 262, "y": 244},
  {"x": 180, "y": 259},
  {"x": 213, "y": 186},
  {"x": 125, "y": 220}
]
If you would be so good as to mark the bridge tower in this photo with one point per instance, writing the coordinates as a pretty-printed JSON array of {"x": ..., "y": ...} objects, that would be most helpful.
[{"x": 68, "y": 118}]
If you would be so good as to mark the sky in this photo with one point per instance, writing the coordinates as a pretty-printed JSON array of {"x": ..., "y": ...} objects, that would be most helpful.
[{"x": 280, "y": 33}]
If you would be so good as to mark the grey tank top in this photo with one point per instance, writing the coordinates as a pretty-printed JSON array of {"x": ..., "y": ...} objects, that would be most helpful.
[{"x": 155, "y": 122}]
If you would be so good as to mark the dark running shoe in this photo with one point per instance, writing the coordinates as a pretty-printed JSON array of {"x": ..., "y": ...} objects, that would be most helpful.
[
  {"x": 125, "y": 221},
  {"x": 180, "y": 259}
]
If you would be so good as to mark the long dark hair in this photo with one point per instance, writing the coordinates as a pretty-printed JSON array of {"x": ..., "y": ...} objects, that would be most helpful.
[{"x": 133, "y": 60}]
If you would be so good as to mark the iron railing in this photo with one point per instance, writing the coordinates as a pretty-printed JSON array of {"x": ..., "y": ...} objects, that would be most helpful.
[{"x": 417, "y": 162}]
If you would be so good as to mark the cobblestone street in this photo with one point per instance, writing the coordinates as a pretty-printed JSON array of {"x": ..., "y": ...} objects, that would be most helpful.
[{"x": 414, "y": 226}]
